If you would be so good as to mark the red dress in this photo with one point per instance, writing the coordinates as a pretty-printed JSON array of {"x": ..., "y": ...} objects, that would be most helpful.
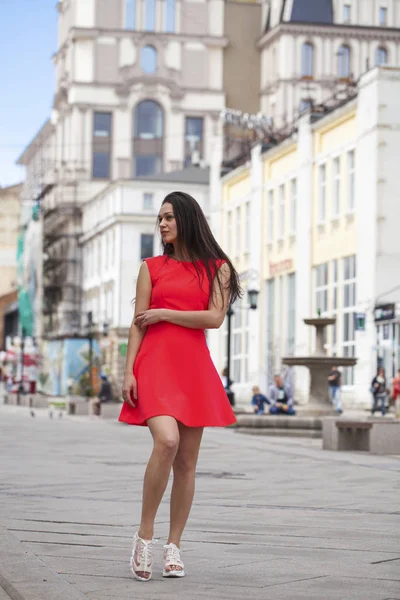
[{"x": 173, "y": 368}]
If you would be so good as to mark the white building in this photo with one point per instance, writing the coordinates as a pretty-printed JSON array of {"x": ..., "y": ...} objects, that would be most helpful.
[
  {"x": 312, "y": 49},
  {"x": 119, "y": 231},
  {"x": 324, "y": 213}
]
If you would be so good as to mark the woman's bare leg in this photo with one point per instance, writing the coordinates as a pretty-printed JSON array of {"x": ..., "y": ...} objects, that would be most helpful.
[
  {"x": 165, "y": 434},
  {"x": 184, "y": 467}
]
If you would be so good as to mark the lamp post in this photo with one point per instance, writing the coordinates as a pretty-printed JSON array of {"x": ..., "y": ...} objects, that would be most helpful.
[
  {"x": 21, "y": 382},
  {"x": 252, "y": 295},
  {"x": 90, "y": 337}
]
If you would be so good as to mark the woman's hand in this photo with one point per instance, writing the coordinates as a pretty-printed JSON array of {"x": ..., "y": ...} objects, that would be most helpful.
[
  {"x": 149, "y": 317},
  {"x": 129, "y": 389}
]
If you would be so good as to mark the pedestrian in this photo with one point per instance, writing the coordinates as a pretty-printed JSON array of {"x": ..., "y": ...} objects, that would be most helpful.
[
  {"x": 379, "y": 391},
  {"x": 170, "y": 382},
  {"x": 105, "y": 394},
  {"x": 396, "y": 394},
  {"x": 334, "y": 381},
  {"x": 280, "y": 396},
  {"x": 259, "y": 401}
]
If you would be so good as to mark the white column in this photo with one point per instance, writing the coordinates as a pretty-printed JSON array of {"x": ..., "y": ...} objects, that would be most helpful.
[
  {"x": 303, "y": 252},
  {"x": 215, "y": 335},
  {"x": 254, "y": 279}
]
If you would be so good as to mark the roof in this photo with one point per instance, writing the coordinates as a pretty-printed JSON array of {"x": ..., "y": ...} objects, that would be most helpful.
[
  {"x": 194, "y": 175},
  {"x": 312, "y": 11}
]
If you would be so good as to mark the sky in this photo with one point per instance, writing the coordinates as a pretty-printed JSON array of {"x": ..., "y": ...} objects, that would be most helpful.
[{"x": 28, "y": 39}]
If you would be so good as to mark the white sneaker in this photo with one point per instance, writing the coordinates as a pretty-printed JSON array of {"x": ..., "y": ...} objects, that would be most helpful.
[
  {"x": 142, "y": 558},
  {"x": 172, "y": 559}
]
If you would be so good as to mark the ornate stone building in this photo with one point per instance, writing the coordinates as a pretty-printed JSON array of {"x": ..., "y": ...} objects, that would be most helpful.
[{"x": 313, "y": 49}]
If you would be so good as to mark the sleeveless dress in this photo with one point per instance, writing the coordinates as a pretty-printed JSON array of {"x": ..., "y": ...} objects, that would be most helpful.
[{"x": 173, "y": 368}]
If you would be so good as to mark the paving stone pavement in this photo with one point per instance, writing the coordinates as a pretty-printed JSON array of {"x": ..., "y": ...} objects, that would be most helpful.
[{"x": 273, "y": 518}]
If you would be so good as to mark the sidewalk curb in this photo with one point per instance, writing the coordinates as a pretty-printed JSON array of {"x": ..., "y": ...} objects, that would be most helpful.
[{"x": 23, "y": 576}]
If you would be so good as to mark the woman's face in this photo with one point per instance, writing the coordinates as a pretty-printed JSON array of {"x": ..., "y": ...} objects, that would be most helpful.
[
  {"x": 381, "y": 372},
  {"x": 167, "y": 224}
]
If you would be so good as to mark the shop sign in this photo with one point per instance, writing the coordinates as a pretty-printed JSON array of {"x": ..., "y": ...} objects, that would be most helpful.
[
  {"x": 385, "y": 312},
  {"x": 280, "y": 267},
  {"x": 359, "y": 321},
  {"x": 122, "y": 349}
]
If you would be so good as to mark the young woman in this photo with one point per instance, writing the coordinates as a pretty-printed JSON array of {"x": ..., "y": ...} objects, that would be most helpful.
[
  {"x": 379, "y": 391},
  {"x": 170, "y": 382}
]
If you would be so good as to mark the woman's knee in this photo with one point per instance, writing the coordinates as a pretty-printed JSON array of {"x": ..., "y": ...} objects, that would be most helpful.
[{"x": 167, "y": 444}]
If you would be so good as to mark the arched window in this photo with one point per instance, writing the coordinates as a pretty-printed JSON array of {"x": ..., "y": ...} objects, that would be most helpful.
[
  {"x": 148, "y": 138},
  {"x": 150, "y": 15},
  {"x": 381, "y": 57},
  {"x": 170, "y": 16},
  {"x": 307, "y": 60},
  {"x": 344, "y": 62},
  {"x": 148, "y": 59}
]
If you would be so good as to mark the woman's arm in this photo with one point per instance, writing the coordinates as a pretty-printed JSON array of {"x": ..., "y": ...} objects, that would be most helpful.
[
  {"x": 136, "y": 334},
  {"x": 212, "y": 318}
]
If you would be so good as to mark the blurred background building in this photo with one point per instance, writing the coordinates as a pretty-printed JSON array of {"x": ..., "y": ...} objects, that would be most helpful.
[{"x": 140, "y": 89}]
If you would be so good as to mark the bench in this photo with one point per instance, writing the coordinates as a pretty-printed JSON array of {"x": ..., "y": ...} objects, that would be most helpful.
[{"x": 376, "y": 436}]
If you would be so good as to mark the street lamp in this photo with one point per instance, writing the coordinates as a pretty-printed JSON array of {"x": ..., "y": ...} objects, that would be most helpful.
[
  {"x": 252, "y": 295},
  {"x": 90, "y": 337}
]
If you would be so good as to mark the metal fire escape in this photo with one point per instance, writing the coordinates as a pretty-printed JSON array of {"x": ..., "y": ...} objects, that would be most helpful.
[{"x": 61, "y": 262}]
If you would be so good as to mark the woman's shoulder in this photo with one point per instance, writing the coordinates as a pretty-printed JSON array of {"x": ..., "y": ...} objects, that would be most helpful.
[{"x": 154, "y": 264}]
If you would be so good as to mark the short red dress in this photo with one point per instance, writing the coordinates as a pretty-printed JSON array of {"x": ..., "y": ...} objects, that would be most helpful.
[{"x": 173, "y": 368}]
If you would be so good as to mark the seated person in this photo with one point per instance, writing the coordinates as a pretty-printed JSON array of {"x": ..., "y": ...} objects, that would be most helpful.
[
  {"x": 281, "y": 398},
  {"x": 259, "y": 401}
]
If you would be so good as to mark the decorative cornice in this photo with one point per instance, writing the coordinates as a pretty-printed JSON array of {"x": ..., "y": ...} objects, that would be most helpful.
[
  {"x": 86, "y": 33},
  {"x": 349, "y": 32}
]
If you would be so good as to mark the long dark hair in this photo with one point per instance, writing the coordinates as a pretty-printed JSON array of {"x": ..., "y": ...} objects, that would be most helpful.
[{"x": 199, "y": 244}]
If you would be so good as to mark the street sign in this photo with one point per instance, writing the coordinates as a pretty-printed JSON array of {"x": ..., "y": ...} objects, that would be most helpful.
[
  {"x": 123, "y": 349},
  {"x": 385, "y": 312}
]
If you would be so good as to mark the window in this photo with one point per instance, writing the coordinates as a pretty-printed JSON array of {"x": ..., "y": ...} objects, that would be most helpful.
[
  {"x": 146, "y": 245},
  {"x": 282, "y": 212},
  {"x": 307, "y": 60},
  {"x": 240, "y": 342},
  {"x": 381, "y": 57},
  {"x": 336, "y": 188},
  {"x": 238, "y": 232},
  {"x": 352, "y": 177},
  {"x": 148, "y": 138},
  {"x": 349, "y": 308},
  {"x": 150, "y": 15},
  {"x": 383, "y": 16},
  {"x": 148, "y": 59},
  {"x": 112, "y": 249},
  {"x": 248, "y": 226},
  {"x": 346, "y": 13},
  {"x": 305, "y": 104},
  {"x": 321, "y": 288},
  {"x": 291, "y": 313},
  {"x": 271, "y": 216},
  {"x": 344, "y": 62},
  {"x": 147, "y": 201},
  {"x": 193, "y": 140},
  {"x": 130, "y": 14},
  {"x": 322, "y": 195},
  {"x": 170, "y": 16},
  {"x": 293, "y": 206},
  {"x": 101, "y": 145}
]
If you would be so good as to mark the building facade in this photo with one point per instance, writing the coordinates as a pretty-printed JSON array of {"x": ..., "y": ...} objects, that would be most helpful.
[
  {"x": 314, "y": 49},
  {"x": 139, "y": 88},
  {"x": 324, "y": 203}
]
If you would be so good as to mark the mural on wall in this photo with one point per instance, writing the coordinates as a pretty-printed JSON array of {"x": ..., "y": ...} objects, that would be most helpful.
[{"x": 66, "y": 367}]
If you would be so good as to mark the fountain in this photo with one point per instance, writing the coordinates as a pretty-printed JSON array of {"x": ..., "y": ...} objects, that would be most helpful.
[{"x": 319, "y": 365}]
